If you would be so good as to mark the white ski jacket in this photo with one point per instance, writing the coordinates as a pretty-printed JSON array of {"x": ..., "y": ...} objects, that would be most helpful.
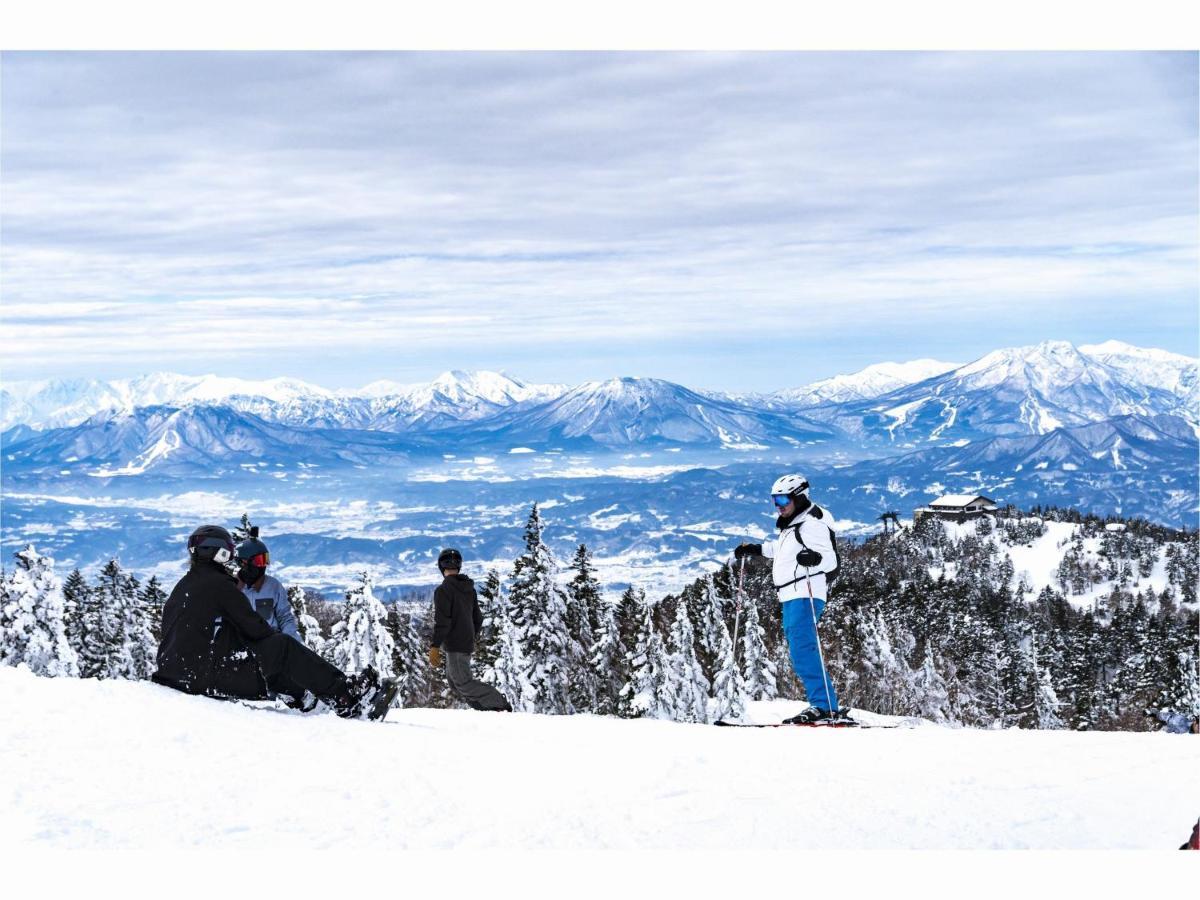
[{"x": 813, "y": 530}]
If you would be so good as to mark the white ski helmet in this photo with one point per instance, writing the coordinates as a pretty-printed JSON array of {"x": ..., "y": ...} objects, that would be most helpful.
[{"x": 790, "y": 485}]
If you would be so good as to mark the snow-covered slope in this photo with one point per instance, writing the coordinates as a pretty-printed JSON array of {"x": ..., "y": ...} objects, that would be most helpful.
[
  {"x": 97, "y": 765},
  {"x": 865, "y": 384}
]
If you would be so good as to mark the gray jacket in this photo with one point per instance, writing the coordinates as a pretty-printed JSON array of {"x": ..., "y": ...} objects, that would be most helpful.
[{"x": 270, "y": 601}]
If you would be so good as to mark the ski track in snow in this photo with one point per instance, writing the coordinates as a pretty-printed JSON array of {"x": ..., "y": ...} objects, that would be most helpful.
[{"x": 115, "y": 764}]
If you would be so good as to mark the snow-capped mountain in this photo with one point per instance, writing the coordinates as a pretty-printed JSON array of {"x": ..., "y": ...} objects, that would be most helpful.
[
  {"x": 1022, "y": 390},
  {"x": 384, "y": 406},
  {"x": 1132, "y": 465},
  {"x": 59, "y": 403},
  {"x": 1154, "y": 368},
  {"x": 192, "y": 441},
  {"x": 622, "y": 412},
  {"x": 862, "y": 385}
]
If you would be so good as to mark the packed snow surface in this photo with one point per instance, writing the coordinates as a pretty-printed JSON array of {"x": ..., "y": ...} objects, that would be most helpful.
[{"x": 104, "y": 764}]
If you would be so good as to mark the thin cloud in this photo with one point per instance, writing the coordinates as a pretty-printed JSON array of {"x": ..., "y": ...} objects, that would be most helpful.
[{"x": 584, "y": 203}]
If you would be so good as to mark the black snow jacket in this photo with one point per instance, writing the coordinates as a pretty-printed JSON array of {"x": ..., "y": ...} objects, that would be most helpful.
[
  {"x": 198, "y": 657},
  {"x": 456, "y": 615}
]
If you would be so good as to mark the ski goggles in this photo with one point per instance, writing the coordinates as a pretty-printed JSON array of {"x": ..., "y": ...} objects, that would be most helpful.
[
  {"x": 258, "y": 560},
  {"x": 781, "y": 500}
]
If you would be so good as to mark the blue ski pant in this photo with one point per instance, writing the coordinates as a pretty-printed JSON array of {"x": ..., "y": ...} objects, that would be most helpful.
[{"x": 800, "y": 618}]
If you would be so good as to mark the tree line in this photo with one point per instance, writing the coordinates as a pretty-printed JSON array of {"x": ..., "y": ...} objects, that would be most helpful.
[{"x": 919, "y": 623}]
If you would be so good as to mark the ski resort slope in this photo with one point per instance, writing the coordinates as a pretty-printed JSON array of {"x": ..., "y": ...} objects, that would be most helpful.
[{"x": 113, "y": 764}]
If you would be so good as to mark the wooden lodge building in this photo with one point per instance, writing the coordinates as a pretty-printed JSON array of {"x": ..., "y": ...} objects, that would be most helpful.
[{"x": 957, "y": 508}]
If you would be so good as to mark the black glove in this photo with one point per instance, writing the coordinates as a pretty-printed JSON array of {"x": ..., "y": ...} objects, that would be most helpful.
[
  {"x": 808, "y": 558},
  {"x": 743, "y": 550}
]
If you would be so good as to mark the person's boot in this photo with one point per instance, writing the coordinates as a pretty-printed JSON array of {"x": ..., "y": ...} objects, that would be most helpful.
[
  {"x": 306, "y": 702},
  {"x": 810, "y": 716},
  {"x": 352, "y": 696}
]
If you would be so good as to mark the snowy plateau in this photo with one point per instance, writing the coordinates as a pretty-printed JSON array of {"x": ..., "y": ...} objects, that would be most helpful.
[
  {"x": 659, "y": 480},
  {"x": 94, "y": 765}
]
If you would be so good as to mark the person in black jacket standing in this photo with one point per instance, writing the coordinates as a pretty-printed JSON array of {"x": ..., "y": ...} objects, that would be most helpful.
[
  {"x": 456, "y": 620},
  {"x": 214, "y": 643}
]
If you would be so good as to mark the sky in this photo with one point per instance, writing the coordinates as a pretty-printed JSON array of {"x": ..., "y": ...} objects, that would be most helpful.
[{"x": 727, "y": 221}]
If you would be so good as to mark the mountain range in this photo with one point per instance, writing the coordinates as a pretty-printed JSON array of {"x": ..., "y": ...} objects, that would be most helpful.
[{"x": 651, "y": 474}]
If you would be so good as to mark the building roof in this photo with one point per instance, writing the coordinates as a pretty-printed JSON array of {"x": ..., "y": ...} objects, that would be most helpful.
[{"x": 957, "y": 500}]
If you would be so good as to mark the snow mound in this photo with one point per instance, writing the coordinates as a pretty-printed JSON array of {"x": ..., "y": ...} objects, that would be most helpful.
[{"x": 115, "y": 764}]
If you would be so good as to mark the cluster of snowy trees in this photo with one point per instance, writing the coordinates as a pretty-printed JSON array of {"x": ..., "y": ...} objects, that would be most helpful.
[
  {"x": 551, "y": 643},
  {"x": 983, "y": 649},
  {"x": 104, "y": 629},
  {"x": 980, "y": 648}
]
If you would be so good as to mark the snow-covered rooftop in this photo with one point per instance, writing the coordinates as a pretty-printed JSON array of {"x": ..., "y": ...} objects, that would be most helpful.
[{"x": 960, "y": 500}]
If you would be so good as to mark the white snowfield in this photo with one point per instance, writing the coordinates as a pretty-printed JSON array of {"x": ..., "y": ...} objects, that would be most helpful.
[{"x": 113, "y": 764}]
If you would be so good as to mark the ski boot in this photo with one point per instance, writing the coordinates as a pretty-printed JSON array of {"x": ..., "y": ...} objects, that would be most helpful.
[{"x": 814, "y": 717}]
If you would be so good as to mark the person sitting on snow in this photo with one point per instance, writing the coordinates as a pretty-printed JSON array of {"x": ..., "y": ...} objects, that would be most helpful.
[
  {"x": 456, "y": 620},
  {"x": 267, "y": 595},
  {"x": 804, "y": 554},
  {"x": 214, "y": 644}
]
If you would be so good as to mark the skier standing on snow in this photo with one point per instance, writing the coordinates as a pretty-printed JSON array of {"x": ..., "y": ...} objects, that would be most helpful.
[
  {"x": 267, "y": 595},
  {"x": 457, "y": 618},
  {"x": 213, "y": 643},
  {"x": 803, "y": 554}
]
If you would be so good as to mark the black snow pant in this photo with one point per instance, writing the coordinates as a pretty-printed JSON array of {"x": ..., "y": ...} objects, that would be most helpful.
[
  {"x": 476, "y": 694},
  {"x": 292, "y": 668}
]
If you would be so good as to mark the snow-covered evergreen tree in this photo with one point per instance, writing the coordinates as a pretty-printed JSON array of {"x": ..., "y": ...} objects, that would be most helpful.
[
  {"x": 583, "y": 602},
  {"x": 539, "y": 611},
  {"x": 74, "y": 591},
  {"x": 691, "y": 687},
  {"x": 361, "y": 639},
  {"x": 493, "y": 605},
  {"x": 33, "y": 618},
  {"x": 606, "y": 658},
  {"x": 757, "y": 666},
  {"x": 1046, "y": 704},
  {"x": 650, "y": 691},
  {"x": 929, "y": 688},
  {"x": 509, "y": 672},
  {"x": 153, "y": 598},
  {"x": 118, "y": 641},
  {"x": 307, "y": 626},
  {"x": 410, "y": 660},
  {"x": 728, "y": 687}
]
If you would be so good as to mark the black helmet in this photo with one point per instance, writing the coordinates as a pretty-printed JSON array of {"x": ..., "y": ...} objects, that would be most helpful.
[
  {"x": 449, "y": 559},
  {"x": 211, "y": 542},
  {"x": 252, "y": 547}
]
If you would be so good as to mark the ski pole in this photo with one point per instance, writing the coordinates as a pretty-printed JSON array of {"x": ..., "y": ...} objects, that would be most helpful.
[{"x": 737, "y": 606}]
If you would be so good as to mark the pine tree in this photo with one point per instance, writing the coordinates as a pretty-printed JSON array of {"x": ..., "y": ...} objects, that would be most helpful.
[
  {"x": 33, "y": 618},
  {"x": 361, "y": 639},
  {"x": 691, "y": 687},
  {"x": 410, "y": 661},
  {"x": 119, "y": 636},
  {"x": 932, "y": 697},
  {"x": 508, "y": 673},
  {"x": 728, "y": 687},
  {"x": 492, "y": 605},
  {"x": 75, "y": 590},
  {"x": 307, "y": 626},
  {"x": 757, "y": 665},
  {"x": 650, "y": 690},
  {"x": 241, "y": 531},
  {"x": 539, "y": 611},
  {"x": 583, "y": 601},
  {"x": 607, "y": 660},
  {"x": 152, "y": 599}
]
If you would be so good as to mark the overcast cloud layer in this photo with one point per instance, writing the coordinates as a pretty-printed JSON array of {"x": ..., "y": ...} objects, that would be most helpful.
[{"x": 727, "y": 221}]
